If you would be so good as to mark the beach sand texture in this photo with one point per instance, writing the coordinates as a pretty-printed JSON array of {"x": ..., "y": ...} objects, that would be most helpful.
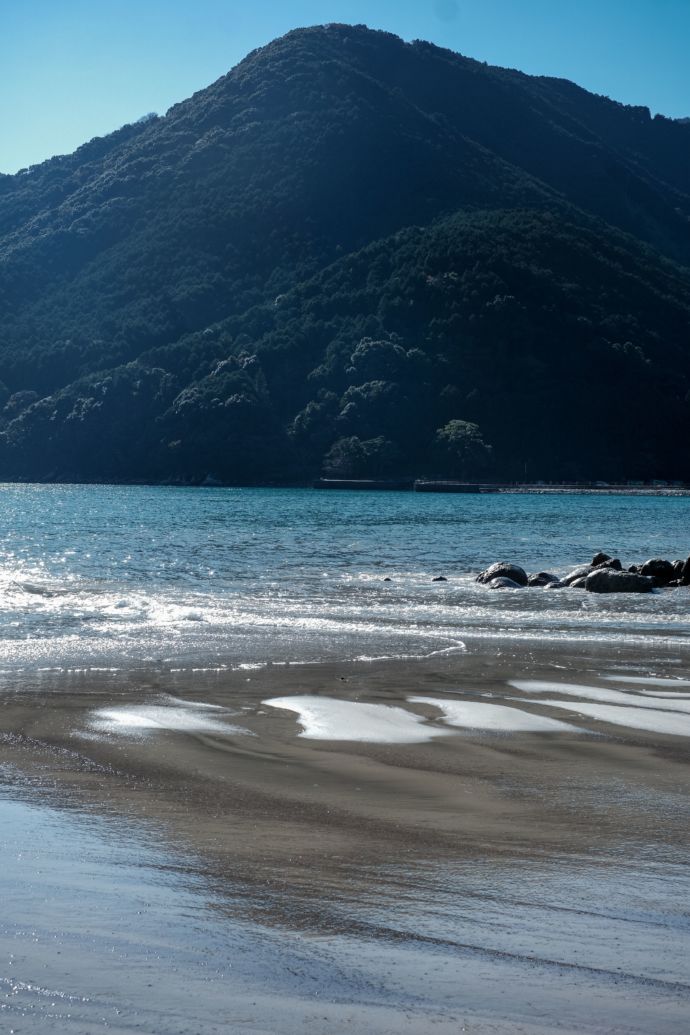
[{"x": 490, "y": 842}]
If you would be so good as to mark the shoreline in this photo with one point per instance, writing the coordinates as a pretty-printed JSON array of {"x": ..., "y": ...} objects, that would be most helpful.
[
  {"x": 360, "y": 843},
  {"x": 407, "y": 486},
  {"x": 274, "y": 764}
]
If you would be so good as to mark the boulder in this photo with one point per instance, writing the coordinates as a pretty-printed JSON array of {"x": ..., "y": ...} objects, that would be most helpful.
[
  {"x": 685, "y": 577},
  {"x": 678, "y": 569},
  {"x": 599, "y": 558},
  {"x": 440, "y": 578},
  {"x": 503, "y": 570},
  {"x": 542, "y": 578},
  {"x": 555, "y": 585},
  {"x": 503, "y": 582},
  {"x": 577, "y": 573},
  {"x": 580, "y": 583},
  {"x": 605, "y": 580},
  {"x": 659, "y": 570},
  {"x": 633, "y": 568},
  {"x": 612, "y": 563}
]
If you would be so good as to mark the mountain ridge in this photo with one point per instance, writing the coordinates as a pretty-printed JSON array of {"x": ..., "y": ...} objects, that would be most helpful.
[{"x": 324, "y": 144}]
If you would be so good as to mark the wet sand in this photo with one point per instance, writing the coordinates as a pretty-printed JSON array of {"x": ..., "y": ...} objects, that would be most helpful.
[{"x": 523, "y": 881}]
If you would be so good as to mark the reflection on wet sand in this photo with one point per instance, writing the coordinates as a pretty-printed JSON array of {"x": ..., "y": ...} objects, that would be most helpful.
[{"x": 166, "y": 872}]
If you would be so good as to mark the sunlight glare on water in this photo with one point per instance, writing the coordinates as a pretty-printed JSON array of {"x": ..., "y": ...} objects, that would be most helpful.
[{"x": 115, "y": 575}]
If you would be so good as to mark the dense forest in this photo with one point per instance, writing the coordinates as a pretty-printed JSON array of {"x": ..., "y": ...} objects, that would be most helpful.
[{"x": 357, "y": 257}]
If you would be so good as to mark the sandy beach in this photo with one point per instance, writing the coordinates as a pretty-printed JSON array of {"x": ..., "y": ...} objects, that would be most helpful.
[{"x": 496, "y": 880}]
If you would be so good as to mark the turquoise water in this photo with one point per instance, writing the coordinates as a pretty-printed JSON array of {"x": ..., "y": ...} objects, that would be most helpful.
[{"x": 113, "y": 576}]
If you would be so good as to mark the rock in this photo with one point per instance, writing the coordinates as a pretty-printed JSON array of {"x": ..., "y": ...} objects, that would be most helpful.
[
  {"x": 503, "y": 570},
  {"x": 613, "y": 563},
  {"x": 633, "y": 568},
  {"x": 580, "y": 583},
  {"x": 599, "y": 558},
  {"x": 577, "y": 573},
  {"x": 440, "y": 578},
  {"x": 542, "y": 578},
  {"x": 685, "y": 577},
  {"x": 555, "y": 585},
  {"x": 605, "y": 580},
  {"x": 678, "y": 569},
  {"x": 387, "y": 579},
  {"x": 661, "y": 571},
  {"x": 503, "y": 582}
]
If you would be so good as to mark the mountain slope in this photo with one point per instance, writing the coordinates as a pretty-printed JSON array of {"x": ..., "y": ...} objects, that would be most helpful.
[{"x": 199, "y": 283}]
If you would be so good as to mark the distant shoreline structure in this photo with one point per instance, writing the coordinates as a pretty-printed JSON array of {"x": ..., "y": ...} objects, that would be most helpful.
[
  {"x": 678, "y": 489},
  {"x": 538, "y": 488}
]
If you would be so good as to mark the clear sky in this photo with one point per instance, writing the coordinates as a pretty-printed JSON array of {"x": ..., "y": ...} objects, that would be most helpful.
[{"x": 74, "y": 69}]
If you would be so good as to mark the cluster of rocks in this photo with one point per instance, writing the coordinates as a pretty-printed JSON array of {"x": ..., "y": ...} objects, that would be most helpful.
[{"x": 603, "y": 575}]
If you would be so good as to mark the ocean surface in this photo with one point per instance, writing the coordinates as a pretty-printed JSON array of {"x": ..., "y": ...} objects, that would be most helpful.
[{"x": 111, "y": 577}]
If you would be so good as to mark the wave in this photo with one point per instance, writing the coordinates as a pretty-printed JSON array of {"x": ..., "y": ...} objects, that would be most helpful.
[{"x": 75, "y": 622}]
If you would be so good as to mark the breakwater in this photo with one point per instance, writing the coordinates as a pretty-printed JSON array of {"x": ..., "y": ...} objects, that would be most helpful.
[{"x": 539, "y": 488}]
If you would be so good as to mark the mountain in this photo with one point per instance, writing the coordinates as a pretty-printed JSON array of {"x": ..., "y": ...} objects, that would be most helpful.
[{"x": 355, "y": 255}]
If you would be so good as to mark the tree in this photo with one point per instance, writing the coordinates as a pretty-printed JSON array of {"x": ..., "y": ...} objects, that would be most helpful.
[
  {"x": 353, "y": 458},
  {"x": 461, "y": 450}
]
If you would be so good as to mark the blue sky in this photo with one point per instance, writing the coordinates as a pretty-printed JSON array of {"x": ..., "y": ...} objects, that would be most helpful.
[{"x": 74, "y": 69}]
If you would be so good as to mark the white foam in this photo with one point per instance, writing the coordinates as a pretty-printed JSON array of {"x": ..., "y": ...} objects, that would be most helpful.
[
  {"x": 142, "y": 717},
  {"x": 629, "y": 699},
  {"x": 650, "y": 681},
  {"x": 634, "y": 718},
  {"x": 324, "y": 718},
  {"x": 497, "y": 717}
]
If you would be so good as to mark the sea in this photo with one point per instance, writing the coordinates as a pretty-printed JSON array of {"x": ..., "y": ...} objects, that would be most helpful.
[{"x": 204, "y": 579}]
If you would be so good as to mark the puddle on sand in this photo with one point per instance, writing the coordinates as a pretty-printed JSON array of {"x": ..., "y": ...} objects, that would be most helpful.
[
  {"x": 667, "y": 681},
  {"x": 496, "y": 718},
  {"x": 673, "y": 723},
  {"x": 628, "y": 699},
  {"x": 325, "y": 718},
  {"x": 181, "y": 717}
]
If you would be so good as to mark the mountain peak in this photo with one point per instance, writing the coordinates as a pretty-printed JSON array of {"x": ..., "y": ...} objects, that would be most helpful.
[{"x": 345, "y": 232}]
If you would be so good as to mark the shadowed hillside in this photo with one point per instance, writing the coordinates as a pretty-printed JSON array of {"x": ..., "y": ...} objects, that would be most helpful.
[{"x": 356, "y": 255}]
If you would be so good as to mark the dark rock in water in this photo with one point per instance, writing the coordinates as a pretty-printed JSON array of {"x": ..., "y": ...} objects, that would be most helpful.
[
  {"x": 661, "y": 571},
  {"x": 580, "y": 583},
  {"x": 440, "y": 578},
  {"x": 555, "y": 585},
  {"x": 599, "y": 558},
  {"x": 685, "y": 577},
  {"x": 542, "y": 578},
  {"x": 503, "y": 582},
  {"x": 576, "y": 573},
  {"x": 503, "y": 570},
  {"x": 604, "y": 580},
  {"x": 387, "y": 579},
  {"x": 678, "y": 569},
  {"x": 633, "y": 568},
  {"x": 613, "y": 563}
]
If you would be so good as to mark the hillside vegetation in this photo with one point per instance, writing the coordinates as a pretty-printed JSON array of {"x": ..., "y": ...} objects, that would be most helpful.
[{"x": 354, "y": 256}]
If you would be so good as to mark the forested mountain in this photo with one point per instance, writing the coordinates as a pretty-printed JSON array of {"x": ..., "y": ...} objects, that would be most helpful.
[{"x": 357, "y": 256}]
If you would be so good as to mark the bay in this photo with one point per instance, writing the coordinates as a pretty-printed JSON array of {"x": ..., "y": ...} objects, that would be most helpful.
[{"x": 111, "y": 576}]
